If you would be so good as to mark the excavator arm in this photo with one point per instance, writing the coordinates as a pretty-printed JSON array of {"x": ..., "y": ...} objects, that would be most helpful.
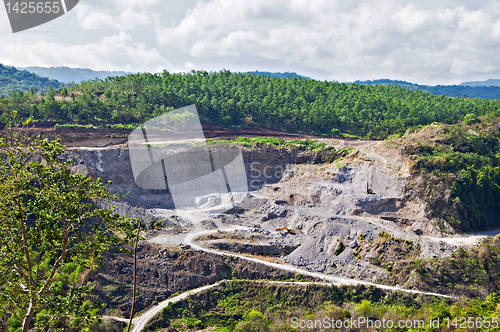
[{"x": 369, "y": 190}]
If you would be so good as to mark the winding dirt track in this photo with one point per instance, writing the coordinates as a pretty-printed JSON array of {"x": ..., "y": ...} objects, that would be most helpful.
[
  {"x": 197, "y": 216},
  {"x": 141, "y": 321},
  {"x": 191, "y": 215}
]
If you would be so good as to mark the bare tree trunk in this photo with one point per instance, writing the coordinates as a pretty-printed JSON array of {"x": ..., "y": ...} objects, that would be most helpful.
[
  {"x": 31, "y": 308},
  {"x": 28, "y": 317},
  {"x": 135, "y": 277}
]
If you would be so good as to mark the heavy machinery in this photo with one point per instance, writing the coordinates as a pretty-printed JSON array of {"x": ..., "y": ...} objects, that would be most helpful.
[
  {"x": 286, "y": 229},
  {"x": 369, "y": 190}
]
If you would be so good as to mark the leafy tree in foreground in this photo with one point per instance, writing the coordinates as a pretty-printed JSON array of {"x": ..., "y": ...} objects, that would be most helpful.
[{"x": 51, "y": 227}]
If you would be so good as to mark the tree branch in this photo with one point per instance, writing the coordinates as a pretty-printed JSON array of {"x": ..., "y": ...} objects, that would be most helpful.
[
  {"x": 58, "y": 261},
  {"x": 29, "y": 314},
  {"x": 135, "y": 276}
]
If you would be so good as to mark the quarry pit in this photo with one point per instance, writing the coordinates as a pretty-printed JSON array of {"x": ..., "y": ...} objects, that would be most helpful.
[{"x": 302, "y": 209}]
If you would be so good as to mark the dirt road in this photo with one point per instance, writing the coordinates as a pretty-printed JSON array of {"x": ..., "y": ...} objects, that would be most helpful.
[
  {"x": 195, "y": 217},
  {"x": 140, "y": 322},
  {"x": 198, "y": 231},
  {"x": 467, "y": 240}
]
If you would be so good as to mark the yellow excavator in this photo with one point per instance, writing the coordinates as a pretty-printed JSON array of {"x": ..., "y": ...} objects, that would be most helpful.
[
  {"x": 369, "y": 190},
  {"x": 286, "y": 229}
]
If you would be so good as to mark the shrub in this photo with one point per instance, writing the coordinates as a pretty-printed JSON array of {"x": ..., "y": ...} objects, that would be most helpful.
[{"x": 471, "y": 119}]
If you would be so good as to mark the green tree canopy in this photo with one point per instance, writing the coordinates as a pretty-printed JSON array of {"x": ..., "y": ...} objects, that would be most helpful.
[
  {"x": 51, "y": 227},
  {"x": 232, "y": 99}
]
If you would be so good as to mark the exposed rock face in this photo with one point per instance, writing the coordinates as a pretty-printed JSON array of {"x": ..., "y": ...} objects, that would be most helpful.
[
  {"x": 328, "y": 205},
  {"x": 263, "y": 164}
]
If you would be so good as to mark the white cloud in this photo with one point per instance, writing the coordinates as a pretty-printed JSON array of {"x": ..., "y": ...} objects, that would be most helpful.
[
  {"x": 126, "y": 4},
  {"x": 426, "y": 41},
  {"x": 379, "y": 38},
  {"x": 117, "y": 52},
  {"x": 189, "y": 65},
  {"x": 94, "y": 21},
  {"x": 4, "y": 21},
  {"x": 122, "y": 16}
]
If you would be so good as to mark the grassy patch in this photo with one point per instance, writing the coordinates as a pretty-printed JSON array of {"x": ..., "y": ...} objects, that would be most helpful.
[
  {"x": 130, "y": 126},
  {"x": 255, "y": 306}
]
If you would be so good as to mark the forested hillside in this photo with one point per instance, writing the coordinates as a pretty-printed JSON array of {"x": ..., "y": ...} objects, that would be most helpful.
[
  {"x": 480, "y": 90},
  {"x": 291, "y": 104},
  {"x": 12, "y": 79}
]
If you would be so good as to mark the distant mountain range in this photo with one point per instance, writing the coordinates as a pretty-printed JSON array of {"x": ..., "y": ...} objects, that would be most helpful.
[
  {"x": 279, "y": 75},
  {"x": 76, "y": 75},
  {"x": 482, "y": 83},
  {"x": 12, "y": 79},
  {"x": 464, "y": 89}
]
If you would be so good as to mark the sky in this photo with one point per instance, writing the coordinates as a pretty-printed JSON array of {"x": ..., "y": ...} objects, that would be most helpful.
[{"x": 425, "y": 42}]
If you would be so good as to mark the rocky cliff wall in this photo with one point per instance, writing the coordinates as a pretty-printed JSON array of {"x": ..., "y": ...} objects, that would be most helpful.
[{"x": 263, "y": 165}]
